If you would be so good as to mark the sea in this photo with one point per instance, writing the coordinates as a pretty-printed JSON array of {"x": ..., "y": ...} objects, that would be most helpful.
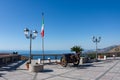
[{"x": 27, "y": 52}]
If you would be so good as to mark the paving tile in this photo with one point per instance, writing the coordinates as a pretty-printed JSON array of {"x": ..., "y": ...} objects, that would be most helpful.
[
  {"x": 2, "y": 78},
  {"x": 60, "y": 78},
  {"x": 106, "y": 78},
  {"x": 115, "y": 69},
  {"x": 43, "y": 76},
  {"x": 116, "y": 78}
]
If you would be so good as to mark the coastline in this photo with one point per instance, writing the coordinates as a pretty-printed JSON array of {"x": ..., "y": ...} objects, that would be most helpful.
[{"x": 26, "y": 53}]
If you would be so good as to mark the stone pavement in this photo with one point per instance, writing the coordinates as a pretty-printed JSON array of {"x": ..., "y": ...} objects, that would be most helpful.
[{"x": 103, "y": 70}]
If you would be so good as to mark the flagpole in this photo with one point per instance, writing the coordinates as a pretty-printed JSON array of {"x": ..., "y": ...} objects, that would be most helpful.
[
  {"x": 43, "y": 49},
  {"x": 43, "y": 37}
]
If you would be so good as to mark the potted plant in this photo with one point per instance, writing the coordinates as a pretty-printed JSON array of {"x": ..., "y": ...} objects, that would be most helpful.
[
  {"x": 27, "y": 65},
  {"x": 36, "y": 63},
  {"x": 77, "y": 49}
]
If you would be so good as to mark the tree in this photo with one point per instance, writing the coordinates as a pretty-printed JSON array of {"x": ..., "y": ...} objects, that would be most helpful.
[{"x": 77, "y": 49}]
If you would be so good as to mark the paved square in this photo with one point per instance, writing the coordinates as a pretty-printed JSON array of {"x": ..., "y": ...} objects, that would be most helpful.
[{"x": 103, "y": 70}]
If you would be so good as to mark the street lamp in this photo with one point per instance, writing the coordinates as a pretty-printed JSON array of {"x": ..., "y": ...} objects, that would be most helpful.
[
  {"x": 30, "y": 35},
  {"x": 96, "y": 40}
]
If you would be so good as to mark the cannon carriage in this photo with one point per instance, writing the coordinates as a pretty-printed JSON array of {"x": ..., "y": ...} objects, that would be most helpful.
[{"x": 70, "y": 58}]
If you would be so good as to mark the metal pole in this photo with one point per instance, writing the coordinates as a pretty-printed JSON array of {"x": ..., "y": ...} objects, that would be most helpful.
[
  {"x": 30, "y": 45},
  {"x": 43, "y": 36},
  {"x": 96, "y": 50},
  {"x": 43, "y": 48},
  {"x": 96, "y": 40},
  {"x": 30, "y": 35}
]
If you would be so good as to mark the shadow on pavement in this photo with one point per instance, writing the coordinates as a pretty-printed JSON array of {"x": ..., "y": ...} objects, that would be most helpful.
[
  {"x": 2, "y": 74},
  {"x": 12, "y": 66},
  {"x": 47, "y": 70}
]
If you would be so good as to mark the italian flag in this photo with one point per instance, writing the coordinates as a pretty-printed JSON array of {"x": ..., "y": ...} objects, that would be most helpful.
[{"x": 42, "y": 28}]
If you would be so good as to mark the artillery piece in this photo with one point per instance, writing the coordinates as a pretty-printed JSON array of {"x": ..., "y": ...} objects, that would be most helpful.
[{"x": 70, "y": 58}]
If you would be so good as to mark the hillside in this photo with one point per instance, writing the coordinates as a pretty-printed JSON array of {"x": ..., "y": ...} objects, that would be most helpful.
[
  {"x": 110, "y": 49},
  {"x": 115, "y": 49}
]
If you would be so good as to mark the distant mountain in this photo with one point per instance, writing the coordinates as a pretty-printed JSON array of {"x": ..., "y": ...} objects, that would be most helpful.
[
  {"x": 107, "y": 49},
  {"x": 115, "y": 49},
  {"x": 110, "y": 49}
]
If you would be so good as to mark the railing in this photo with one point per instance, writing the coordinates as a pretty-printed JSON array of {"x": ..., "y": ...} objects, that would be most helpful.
[
  {"x": 49, "y": 55},
  {"x": 8, "y": 58}
]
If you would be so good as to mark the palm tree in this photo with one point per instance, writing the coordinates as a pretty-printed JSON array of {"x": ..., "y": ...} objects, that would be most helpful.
[{"x": 77, "y": 49}]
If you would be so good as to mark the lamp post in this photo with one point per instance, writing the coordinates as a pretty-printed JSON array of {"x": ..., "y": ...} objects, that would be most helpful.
[
  {"x": 30, "y": 35},
  {"x": 96, "y": 40}
]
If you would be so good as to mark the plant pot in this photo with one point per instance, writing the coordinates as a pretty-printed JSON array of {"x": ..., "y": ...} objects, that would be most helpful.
[{"x": 27, "y": 66}]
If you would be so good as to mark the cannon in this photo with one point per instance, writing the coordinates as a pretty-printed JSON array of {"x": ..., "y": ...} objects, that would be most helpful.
[{"x": 70, "y": 58}]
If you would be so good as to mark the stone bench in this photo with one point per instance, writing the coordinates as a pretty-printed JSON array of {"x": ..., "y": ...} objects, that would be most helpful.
[{"x": 36, "y": 68}]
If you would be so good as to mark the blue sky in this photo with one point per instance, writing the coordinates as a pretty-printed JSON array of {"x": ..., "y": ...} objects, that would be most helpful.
[{"x": 67, "y": 23}]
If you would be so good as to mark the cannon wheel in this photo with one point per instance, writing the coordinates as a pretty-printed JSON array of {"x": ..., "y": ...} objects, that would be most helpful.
[
  {"x": 76, "y": 63},
  {"x": 63, "y": 61}
]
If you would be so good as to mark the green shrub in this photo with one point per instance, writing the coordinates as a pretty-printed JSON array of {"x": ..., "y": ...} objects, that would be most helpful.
[
  {"x": 92, "y": 55},
  {"x": 77, "y": 49}
]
